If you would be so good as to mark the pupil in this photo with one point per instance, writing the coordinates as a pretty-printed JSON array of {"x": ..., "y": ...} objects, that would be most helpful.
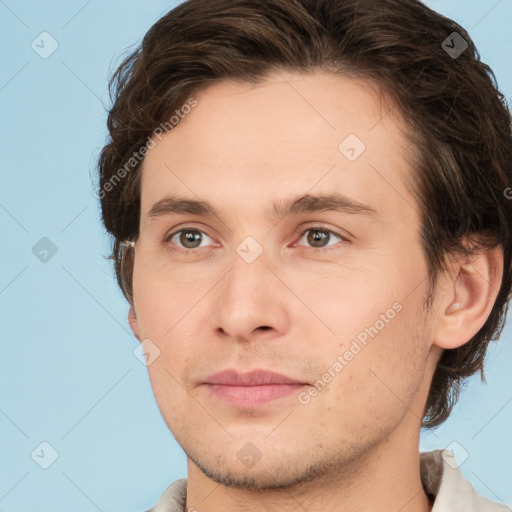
[
  {"x": 190, "y": 236},
  {"x": 313, "y": 238}
]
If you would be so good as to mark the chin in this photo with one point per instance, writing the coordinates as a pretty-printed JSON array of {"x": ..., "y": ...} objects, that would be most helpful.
[{"x": 264, "y": 478}]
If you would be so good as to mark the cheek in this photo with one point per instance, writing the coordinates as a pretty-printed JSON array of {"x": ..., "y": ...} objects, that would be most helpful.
[
  {"x": 378, "y": 345},
  {"x": 379, "y": 378},
  {"x": 346, "y": 298},
  {"x": 161, "y": 299}
]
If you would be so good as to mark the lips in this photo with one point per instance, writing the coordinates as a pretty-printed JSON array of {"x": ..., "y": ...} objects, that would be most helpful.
[
  {"x": 252, "y": 389},
  {"x": 253, "y": 378}
]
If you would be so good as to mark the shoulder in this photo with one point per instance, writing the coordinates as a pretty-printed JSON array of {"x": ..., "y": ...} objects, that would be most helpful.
[
  {"x": 173, "y": 499},
  {"x": 443, "y": 481}
]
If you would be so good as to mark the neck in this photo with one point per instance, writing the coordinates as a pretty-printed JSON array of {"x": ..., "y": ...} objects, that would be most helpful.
[{"x": 385, "y": 478}]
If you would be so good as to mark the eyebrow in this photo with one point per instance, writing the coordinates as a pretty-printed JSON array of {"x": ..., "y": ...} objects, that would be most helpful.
[{"x": 308, "y": 203}]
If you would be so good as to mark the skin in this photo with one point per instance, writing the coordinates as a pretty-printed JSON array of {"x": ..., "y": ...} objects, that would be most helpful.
[{"x": 294, "y": 309}]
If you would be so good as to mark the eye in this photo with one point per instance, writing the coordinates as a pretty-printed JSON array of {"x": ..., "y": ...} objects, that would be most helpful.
[
  {"x": 188, "y": 237},
  {"x": 319, "y": 236}
]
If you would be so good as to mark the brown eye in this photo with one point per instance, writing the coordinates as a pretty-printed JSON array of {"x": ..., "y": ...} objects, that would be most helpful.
[
  {"x": 187, "y": 238},
  {"x": 190, "y": 239},
  {"x": 318, "y": 237}
]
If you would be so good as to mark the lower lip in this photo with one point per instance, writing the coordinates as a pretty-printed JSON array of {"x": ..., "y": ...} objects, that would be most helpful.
[{"x": 253, "y": 396}]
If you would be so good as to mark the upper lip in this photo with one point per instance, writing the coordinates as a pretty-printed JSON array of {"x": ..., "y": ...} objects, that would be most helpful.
[{"x": 252, "y": 378}]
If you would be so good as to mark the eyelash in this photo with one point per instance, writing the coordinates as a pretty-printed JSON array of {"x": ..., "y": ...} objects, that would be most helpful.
[{"x": 323, "y": 229}]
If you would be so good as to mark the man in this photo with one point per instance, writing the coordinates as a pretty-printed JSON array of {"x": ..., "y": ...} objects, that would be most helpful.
[{"x": 309, "y": 207}]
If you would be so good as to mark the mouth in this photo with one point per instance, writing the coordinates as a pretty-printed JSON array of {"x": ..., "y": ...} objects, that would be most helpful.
[{"x": 252, "y": 389}]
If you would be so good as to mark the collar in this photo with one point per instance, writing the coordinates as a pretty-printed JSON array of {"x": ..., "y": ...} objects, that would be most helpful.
[{"x": 440, "y": 475}]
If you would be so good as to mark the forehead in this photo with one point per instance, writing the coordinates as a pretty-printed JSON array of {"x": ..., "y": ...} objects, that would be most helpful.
[{"x": 244, "y": 145}]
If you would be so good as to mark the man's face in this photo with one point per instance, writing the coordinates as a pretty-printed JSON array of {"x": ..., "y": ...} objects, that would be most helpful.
[{"x": 329, "y": 296}]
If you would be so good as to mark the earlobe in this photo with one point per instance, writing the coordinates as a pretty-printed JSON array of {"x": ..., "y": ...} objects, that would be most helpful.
[
  {"x": 132, "y": 320},
  {"x": 472, "y": 291}
]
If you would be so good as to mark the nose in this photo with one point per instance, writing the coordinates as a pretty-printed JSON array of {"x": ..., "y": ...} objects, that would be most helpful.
[{"x": 251, "y": 301}]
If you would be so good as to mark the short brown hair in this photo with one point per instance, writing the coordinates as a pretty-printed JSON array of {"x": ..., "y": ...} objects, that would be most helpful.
[{"x": 460, "y": 124}]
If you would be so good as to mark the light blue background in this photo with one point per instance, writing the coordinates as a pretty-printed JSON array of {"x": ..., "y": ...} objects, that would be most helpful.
[{"x": 68, "y": 375}]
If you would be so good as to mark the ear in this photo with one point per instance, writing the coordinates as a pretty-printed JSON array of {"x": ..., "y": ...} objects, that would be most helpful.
[
  {"x": 132, "y": 320},
  {"x": 469, "y": 293}
]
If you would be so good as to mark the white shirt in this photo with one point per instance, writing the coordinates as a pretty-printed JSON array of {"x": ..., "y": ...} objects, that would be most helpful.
[{"x": 440, "y": 476}]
